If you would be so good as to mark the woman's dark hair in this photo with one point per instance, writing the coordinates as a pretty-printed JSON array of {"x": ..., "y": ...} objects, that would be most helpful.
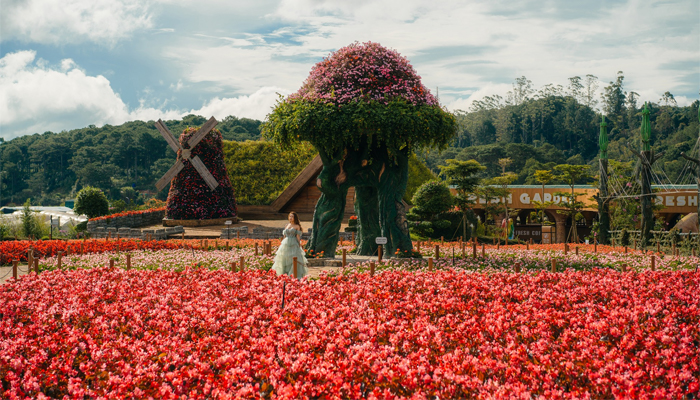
[{"x": 296, "y": 220}]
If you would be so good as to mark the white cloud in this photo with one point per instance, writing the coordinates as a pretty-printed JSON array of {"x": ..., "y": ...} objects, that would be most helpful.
[
  {"x": 463, "y": 103},
  {"x": 256, "y": 106},
  {"x": 37, "y": 98},
  {"x": 73, "y": 21}
]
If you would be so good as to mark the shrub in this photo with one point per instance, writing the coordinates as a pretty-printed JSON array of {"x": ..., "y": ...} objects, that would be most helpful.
[
  {"x": 431, "y": 198},
  {"x": 433, "y": 215},
  {"x": 91, "y": 202}
]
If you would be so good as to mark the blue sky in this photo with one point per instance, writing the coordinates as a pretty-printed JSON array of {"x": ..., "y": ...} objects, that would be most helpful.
[{"x": 71, "y": 63}]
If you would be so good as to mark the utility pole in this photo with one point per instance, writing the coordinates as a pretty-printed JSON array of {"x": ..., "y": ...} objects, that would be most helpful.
[
  {"x": 602, "y": 197},
  {"x": 647, "y": 158}
]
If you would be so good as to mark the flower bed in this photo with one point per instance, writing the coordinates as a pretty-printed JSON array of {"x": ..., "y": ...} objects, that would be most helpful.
[
  {"x": 128, "y": 213},
  {"x": 446, "y": 334},
  {"x": 17, "y": 250},
  {"x": 163, "y": 259}
]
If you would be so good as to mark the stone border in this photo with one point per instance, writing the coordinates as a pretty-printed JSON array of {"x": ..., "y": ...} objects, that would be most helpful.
[
  {"x": 191, "y": 223},
  {"x": 132, "y": 233},
  {"x": 268, "y": 233}
]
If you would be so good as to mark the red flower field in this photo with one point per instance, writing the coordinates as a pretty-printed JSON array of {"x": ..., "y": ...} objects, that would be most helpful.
[{"x": 446, "y": 334}]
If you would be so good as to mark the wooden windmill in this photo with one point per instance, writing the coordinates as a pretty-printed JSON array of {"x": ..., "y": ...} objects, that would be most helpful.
[{"x": 185, "y": 154}]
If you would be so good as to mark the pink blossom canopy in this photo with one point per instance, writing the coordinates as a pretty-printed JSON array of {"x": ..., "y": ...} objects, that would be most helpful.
[{"x": 364, "y": 71}]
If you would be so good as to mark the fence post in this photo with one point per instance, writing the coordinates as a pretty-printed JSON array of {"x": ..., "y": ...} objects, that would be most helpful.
[
  {"x": 380, "y": 252},
  {"x": 653, "y": 262},
  {"x": 294, "y": 259},
  {"x": 345, "y": 258},
  {"x": 60, "y": 256},
  {"x": 242, "y": 266},
  {"x": 111, "y": 263},
  {"x": 566, "y": 248},
  {"x": 430, "y": 263},
  {"x": 256, "y": 249},
  {"x": 483, "y": 250},
  {"x": 371, "y": 268},
  {"x": 14, "y": 268},
  {"x": 232, "y": 266},
  {"x": 437, "y": 251},
  {"x": 36, "y": 266},
  {"x": 517, "y": 267},
  {"x": 624, "y": 267},
  {"x": 128, "y": 261},
  {"x": 595, "y": 245},
  {"x": 554, "y": 265},
  {"x": 474, "y": 248},
  {"x": 576, "y": 249}
]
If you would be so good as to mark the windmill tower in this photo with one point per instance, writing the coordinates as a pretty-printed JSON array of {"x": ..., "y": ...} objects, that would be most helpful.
[{"x": 200, "y": 189}]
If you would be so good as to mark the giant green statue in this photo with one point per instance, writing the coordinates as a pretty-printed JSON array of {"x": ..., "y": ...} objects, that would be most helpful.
[{"x": 364, "y": 109}]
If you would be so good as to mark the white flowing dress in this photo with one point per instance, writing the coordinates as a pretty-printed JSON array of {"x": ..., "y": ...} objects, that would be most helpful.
[{"x": 289, "y": 248}]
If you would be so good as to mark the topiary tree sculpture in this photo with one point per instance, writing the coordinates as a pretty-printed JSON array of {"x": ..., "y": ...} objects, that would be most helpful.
[{"x": 364, "y": 109}]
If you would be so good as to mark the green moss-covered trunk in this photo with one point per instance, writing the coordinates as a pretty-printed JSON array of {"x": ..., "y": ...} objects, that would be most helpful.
[
  {"x": 392, "y": 213},
  {"x": 367, "y": 210},
  {"x": 380, "y": 183}
]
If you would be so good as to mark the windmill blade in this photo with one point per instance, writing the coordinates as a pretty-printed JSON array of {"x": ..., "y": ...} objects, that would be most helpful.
[
  {"x": 202, "y": 132},
  {"x": 172, "y": 173},
  {"x": 167, "y": 136},
  {"x": 204, "y": 172}
]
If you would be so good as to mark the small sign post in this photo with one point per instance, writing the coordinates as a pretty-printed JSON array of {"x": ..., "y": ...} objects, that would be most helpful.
[{"x": 380, "y": 241}]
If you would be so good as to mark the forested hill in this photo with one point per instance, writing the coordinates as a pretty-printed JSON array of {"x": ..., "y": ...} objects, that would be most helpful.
[
  {"x": 48, "y": 167},
  {"x": 555, "y": 125}
]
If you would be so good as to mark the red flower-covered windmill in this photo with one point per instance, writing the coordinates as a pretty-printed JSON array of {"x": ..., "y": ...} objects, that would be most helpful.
[{"x": 200, "y": 188}]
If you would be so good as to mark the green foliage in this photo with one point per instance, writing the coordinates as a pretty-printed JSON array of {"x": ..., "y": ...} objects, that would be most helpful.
[
  {"x": 432, "y": 217},
  {"x": 329, "y": 127},
  {"x": 260, "y": 170},
  {"x": 492, "y": 209},
  {"x": 418, "y": 174},
  {"x": 4, "y": 231},
  {"x": 91, "y": 202},
  {"x": 463, "y": 175},
  {"x": 32, "y": 225},
  {"x": 431, "y": 198},
  {"x": 573, "y": 174},
  {"x": 117, "y": 206}
]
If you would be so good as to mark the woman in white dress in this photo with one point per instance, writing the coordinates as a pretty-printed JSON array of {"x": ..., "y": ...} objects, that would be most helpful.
[{"x": 290, "y": 248}]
